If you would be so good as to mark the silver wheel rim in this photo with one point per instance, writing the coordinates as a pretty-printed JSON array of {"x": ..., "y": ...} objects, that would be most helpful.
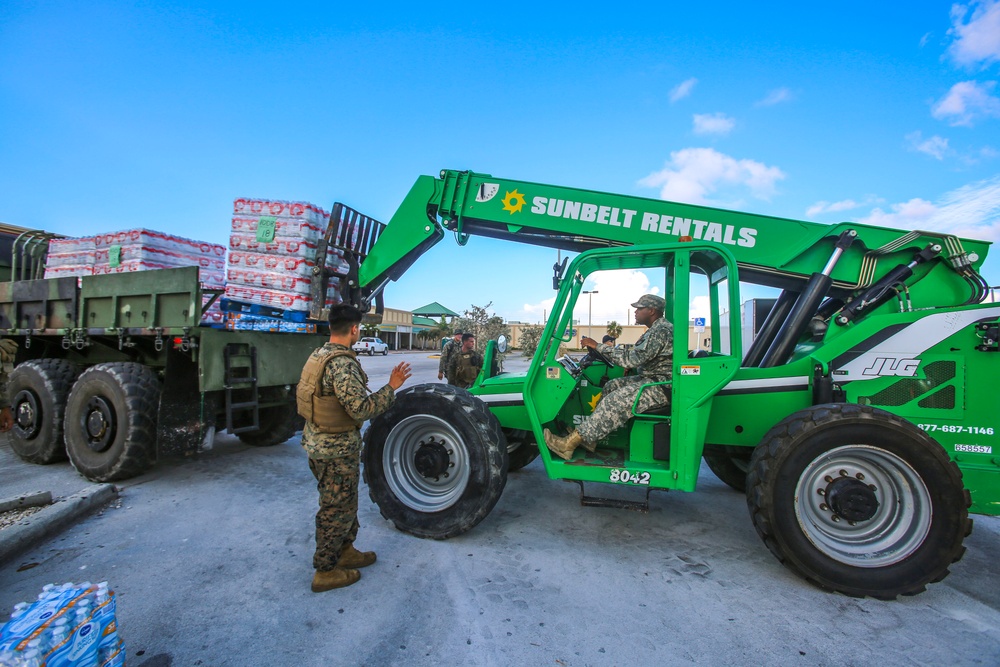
[
  {"x": 899, "y": 525},
  {"x": 415, "y": 490}
]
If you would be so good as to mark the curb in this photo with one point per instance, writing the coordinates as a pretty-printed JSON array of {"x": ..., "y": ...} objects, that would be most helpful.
[{"x": 20, "y": 537}]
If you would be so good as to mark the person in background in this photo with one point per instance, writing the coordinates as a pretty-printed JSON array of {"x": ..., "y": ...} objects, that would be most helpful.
[
  {"x": 449, "y": 349},
  {"x": 608, "y": 340},
  {"x": 333, "y": 397},
  {"x": 464, "y": 366}
]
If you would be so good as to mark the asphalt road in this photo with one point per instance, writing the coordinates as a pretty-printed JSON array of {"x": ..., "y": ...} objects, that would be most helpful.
[{"x": 211, "y": 558}]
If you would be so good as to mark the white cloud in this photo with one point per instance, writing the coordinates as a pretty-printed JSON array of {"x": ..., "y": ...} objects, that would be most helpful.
[
  {"x": 614, "y": 291},
  {"x": 682, "y": 90},
  {"x": 713, "y": 123},
  {"x": 972, "y": 211},
  {"x": 978, "y": 41},
  {"x": 701, "y": 306},
  {"x": 966, "y": 102},
  {"x": 923, "y": 40},
  {"x": 826, "y": 207},
  {"x": 692, "y": 174},
  {"x": 776, "y": 96},
  {"x": 934, "y": 146}
]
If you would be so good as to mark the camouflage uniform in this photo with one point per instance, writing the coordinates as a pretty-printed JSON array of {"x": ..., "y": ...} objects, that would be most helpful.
[
  {"x": 8, "y": 350},
  {"x": 461, "y": 360},
  {"x": 450, "y": 349},
  {"x": 335, "y": 458},
  {"x": 652, "y": 357}
]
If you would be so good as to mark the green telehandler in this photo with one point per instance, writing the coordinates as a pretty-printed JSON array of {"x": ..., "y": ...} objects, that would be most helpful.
[{"x": 859, "y": 421}]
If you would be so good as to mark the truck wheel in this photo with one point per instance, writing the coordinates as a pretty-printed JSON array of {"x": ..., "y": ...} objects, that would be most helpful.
[
  {"x": 385, "y": 352},
  {"x": 858, "y": 500},
  {"x": 436, "y": 462},
  {"x": 111, "y": 421},
  {"x": 38, "y": 391},
  {"x": 521, "y": 448},
  {"x": 278, "y": 423},
  {"x": 730, "y": 464}
]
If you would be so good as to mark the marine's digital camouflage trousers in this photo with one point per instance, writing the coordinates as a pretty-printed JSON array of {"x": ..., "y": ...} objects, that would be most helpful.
[
  {"x": 337, "y": 518},
  {"x": 615, "y": 406}
]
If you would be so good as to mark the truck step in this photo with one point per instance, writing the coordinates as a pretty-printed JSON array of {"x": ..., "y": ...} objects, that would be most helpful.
[{"x": 622, "y": 497}]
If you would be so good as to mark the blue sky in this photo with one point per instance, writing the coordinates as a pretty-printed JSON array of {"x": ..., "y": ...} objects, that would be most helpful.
[{"x": 159, "y": 114}]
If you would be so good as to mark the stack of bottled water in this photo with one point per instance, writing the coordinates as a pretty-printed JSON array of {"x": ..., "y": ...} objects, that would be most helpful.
[{"x": 69, "y": 625}]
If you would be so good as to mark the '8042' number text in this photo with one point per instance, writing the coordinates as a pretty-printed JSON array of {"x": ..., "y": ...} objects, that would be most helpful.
[{"x": 626, "y": 477}]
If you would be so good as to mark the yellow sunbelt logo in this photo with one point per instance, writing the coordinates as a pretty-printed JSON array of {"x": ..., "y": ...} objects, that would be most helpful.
[{"x": 513, "y": 201}]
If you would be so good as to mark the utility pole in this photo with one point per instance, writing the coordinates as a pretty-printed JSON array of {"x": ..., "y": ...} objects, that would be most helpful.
[{"x": 590, "y": 312}]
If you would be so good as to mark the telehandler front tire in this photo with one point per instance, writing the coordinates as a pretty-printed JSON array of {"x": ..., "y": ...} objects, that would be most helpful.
[
  {"x": 858, "y": 500},
  {"x": 38, "y": 391},
  {"x": 111, "y": 421},
  {"x": 436, "y": 461}
]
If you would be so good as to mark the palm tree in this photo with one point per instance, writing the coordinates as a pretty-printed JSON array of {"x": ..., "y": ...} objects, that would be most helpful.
[{"x": 614, "y": 329}]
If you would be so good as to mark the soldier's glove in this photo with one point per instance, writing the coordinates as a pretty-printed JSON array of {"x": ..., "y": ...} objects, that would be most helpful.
[{"x": 8, "y": 349}]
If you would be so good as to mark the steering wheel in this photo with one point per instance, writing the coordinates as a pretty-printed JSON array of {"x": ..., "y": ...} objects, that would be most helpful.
[{"x": 594, "y": 353}]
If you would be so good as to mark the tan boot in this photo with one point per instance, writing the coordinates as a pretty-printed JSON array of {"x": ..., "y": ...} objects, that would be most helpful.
[
  {"x": 338, "y": 577},
  {"x": 351, "y": 557},
  {"x": 563, "y": 447}
]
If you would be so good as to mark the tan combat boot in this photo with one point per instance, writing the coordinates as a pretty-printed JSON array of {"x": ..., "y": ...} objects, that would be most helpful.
[
  {"x": 351, "y": 557},
  {"x": 338, "y": 577},
  {"x": 563, "y": 447}
]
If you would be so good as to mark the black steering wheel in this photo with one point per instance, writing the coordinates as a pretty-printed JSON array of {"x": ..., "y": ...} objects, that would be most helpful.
[{"x": 595, "y": 354}]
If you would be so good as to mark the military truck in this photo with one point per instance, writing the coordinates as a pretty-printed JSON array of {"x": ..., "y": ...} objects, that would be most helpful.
[
  {"x": 115, "y": 371},
  {"x": 861, "y": 422}
]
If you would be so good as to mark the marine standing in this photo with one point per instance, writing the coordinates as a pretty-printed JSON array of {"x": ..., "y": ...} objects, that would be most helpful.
[
  {"x": 447, "y": 352},
  {"x": 464, "y": 366},
  {"x": 333, "y": 397}
]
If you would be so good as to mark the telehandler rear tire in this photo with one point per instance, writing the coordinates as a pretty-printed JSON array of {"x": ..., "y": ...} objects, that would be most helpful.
[
  {"x": 38, "y": 391},
  {"x": 730, "y": 464},
  {"x": 521, "y": 448},
  {"x": 858, "y": 500},
  {"x": 436, "y": 461},
  {"x": 111, "y": 421}
]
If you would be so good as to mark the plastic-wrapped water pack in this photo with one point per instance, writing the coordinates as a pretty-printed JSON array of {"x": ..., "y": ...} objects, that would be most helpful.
[
  {"x": 134, "y": 250},
  {"x": 272, "y": 254},
  {"x": 69, "y": 625}
]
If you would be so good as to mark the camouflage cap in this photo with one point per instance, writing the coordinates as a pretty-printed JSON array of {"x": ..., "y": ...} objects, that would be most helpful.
[
  {"x": 650, "y": 301},
  {"x": 458, "y": 332}
]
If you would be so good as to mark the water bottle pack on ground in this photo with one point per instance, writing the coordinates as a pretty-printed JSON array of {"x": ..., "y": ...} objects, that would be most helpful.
[{"x": 69, "y": 625}]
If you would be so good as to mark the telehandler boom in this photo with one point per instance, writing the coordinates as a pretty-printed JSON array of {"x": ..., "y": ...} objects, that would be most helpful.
[{"x": 860, "y": 421}]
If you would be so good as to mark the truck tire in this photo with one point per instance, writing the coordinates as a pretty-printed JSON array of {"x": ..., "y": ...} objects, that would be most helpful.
[
  {"x": 111, "y": 421},
  {"x": 278, "y": 423},
  {"x": 858, "y": 500},
  {"x": 38, "y": 391},
  {"x": 730, "y": 464},
  {"x": 521, "y": 448},
  {"x": 436, "y": 461}
]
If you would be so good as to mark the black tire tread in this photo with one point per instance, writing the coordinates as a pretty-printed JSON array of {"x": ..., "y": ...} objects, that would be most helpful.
[
  {"x": 719, "y": 459},
  {"x": 142, "y": 397},
  {"x": 484, "y": 421},
  {"x": 524, "y": 453},
  {"x": 57, "y": 376},
  {"x": 809, "y": 419},
  {"x": 276, "y": 427}
]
